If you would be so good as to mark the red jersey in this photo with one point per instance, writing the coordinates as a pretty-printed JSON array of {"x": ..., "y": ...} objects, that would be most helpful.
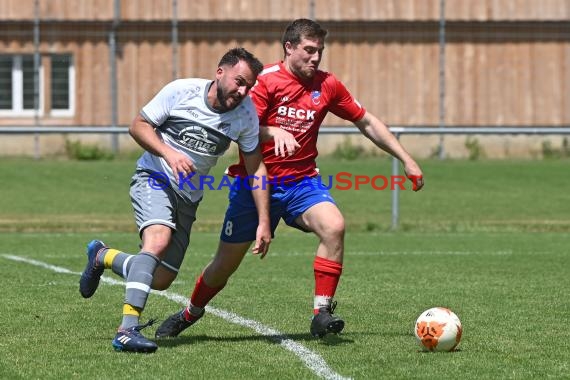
[{"x": 283, "y": 100}]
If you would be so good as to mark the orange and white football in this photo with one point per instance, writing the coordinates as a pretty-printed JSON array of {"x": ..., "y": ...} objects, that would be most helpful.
[{"x": 438, "y": 329}]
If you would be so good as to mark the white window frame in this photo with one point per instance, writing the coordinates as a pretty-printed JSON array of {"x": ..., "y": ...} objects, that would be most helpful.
[
  {"x": 17, "y": 90},
  {"x": 18, "y": 110}
]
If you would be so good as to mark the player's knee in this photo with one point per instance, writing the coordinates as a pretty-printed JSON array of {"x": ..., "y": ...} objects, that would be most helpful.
[
  {"x": 156, "y": 246},
  {"x": 336, "y": 227},
  {"x": 332, "y": 235},
  {"x": 156, "y": 239}
]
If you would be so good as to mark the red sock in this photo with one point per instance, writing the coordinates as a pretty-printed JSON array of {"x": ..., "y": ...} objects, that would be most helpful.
[
  {"x": 201, "y": 295},
  {"x": 327, "y": 275}
]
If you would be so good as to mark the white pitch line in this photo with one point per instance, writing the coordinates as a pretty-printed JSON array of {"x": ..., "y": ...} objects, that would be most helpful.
[{"x": 312, "y": 360}]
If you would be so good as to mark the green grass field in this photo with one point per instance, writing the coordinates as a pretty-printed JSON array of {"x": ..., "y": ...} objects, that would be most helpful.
[{"x": 488, "y": 239}]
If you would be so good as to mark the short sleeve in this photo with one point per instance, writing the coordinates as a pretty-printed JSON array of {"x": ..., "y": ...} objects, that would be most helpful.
[
  {"x": 345, "y": 106},
  {"x": 158, "y": 109},
  {"x": 249, "y": 138},
  {"x": 260, "y": 98}
]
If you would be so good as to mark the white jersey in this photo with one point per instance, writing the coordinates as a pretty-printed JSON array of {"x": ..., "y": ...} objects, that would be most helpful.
[{"x": 185, "y": 121}]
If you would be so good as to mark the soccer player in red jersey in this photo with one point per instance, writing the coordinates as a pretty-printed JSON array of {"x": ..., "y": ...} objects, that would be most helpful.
[{"x": 292, "y": 98}]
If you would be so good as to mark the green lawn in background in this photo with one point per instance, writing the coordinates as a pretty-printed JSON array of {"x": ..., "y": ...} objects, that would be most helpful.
[
  {"x": 488, "y": 239},
  {"x": 459, "y": 195}
]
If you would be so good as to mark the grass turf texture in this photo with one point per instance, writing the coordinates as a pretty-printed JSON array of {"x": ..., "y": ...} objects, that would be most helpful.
[
  {"x": 487, "y": 239},
  {"x": 459, "y": 196}
]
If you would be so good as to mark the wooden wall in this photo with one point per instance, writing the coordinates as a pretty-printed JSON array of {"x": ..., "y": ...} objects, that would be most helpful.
[
  {"x": 250, "y": 10},
  {"x": 507, "y": 61}
]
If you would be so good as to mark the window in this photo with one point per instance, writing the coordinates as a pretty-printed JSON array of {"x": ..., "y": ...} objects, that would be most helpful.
[
  {"x": 28, "y": 79},
  {"x": 5, "y": 82},
  {"x": 62, "y": 85},
  {"x": 18, "y": 89}
]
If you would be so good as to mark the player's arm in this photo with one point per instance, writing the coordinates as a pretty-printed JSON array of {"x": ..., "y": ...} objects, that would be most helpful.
[
  {"x": 285, "y": 142},
  {"x": 375, "y": 130},
  {"x": 143, "y": 133},
  {"x": 260, "y": 191}
]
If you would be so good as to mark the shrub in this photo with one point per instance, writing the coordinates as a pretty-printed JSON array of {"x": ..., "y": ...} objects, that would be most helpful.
[
  {"x": 475, "y": 148},
  {"x": 76, "y": 150},
  {"x": 550, "y": 152},
  {"x": 347, "y": 151}
]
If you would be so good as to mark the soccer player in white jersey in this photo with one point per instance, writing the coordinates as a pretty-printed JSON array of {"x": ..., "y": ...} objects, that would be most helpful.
[
  {"x": 184, "y": 129},
  {"x": 292, "y": 98}
]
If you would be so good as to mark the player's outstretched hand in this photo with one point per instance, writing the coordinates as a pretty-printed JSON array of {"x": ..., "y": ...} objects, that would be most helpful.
[
  {"x": 262, "y": 241},
  {"x": 285, "y": 142},
  {"x": 414, "y": 173}
]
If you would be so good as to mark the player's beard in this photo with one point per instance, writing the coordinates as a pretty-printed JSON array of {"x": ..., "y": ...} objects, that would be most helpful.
[{"x": 223, "y": 99}]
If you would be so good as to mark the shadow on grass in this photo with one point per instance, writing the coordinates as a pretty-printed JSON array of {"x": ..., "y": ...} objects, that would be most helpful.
[{"x": 332, "y": 340}]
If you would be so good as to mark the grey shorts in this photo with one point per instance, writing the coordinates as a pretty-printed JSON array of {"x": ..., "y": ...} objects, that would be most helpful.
[{"x": 163, "y": 206}]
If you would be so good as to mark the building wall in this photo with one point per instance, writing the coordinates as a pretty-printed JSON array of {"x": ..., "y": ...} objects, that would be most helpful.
[
  {"x": 278, "y": 10},
  {"x": 507, "y": 61}
]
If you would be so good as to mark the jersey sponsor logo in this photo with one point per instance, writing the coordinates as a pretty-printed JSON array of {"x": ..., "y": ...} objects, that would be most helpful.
[
  {"x": 196, "y": 138},
  {"x": 294, "y": 113},
  {"x": 316, "y": 97}
]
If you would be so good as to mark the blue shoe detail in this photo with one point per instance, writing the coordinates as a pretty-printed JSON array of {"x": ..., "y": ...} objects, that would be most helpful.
[
  {"x": 90, "y": 277},
  {"x": 131, "y": 340}
]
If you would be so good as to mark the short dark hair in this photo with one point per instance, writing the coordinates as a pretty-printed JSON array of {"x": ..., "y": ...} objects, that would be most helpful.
[
  {"x": 233, "y": 56},
  {"x": 303, "y": 28}
]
